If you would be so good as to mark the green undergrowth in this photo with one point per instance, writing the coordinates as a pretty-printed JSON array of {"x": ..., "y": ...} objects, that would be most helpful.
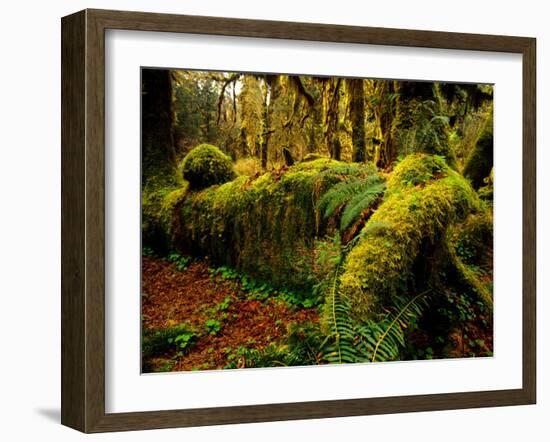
[
  {"x": 161, "y": 342},
  {"x": 300, "y": 347},
  {"x": 263, "y": 291}
]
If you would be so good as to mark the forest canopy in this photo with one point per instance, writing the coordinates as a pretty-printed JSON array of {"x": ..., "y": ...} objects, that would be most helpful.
[{"x": 298, "y": 220}]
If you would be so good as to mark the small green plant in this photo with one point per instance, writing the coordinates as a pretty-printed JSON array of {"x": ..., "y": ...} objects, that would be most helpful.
[
  {"x": 212, "y": 326},
  {"x": 147, "y": 251},
  {"x": 182, "y": 262},
  {"x": 183, "y": 340},
  {"x": 261, "y": 291},
  {"x": 224, "y": 305},
  {"x": 161, "y": 341}
]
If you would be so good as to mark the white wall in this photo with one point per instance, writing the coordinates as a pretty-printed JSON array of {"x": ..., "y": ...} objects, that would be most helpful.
[{"x": 30, "y": 216}]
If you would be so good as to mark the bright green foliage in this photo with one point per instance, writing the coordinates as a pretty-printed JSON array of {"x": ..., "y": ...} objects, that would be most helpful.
[
  {"x": 266, "y": 226},
  {"x": 182, "y": 262},
  {"x": 417, "y": 169},
  {"x": 423, "y": 197},
  {"x": 351, "y": 197},
  {"x": 212, "y": 326},
  {"x": 205, "y": 166},
  {"x": 350, "y": 340},
  {"x": 161, "y": 341}
]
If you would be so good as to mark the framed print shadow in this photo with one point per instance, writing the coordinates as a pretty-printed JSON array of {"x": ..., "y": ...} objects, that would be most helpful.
[{"x": 266, "y": 221}]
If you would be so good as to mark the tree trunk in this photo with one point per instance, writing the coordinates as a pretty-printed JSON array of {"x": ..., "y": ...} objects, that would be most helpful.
[
  {"x": 157, "y": 137},
  {"x": 331, "y": 100},
  {"x": 357, "y": 114}
]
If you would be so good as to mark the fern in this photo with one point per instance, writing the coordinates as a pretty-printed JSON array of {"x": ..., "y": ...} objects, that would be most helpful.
[
  {"x": 349, "y": 340},
  {"x": 338, "y": 346},
  {"x": 390, "y": 332},
  {"x": 359, "y": 203},
  {"x": 353, "y": 195}
]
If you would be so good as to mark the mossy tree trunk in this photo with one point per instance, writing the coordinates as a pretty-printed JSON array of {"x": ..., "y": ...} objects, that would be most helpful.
[
  {"x": 385, "y": 108},
  {"x": 331, "y": 102},
  {"x": 158, "y": 158},
  {"x": 357, "y": 114},
  {"x": 480, "y": 161},
  {"x": 272, "y": 93},
  {"x": 157, "y": 142}
]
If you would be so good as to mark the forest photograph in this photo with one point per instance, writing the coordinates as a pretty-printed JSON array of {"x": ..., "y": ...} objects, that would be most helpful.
[{"x": 298, "y": 220}]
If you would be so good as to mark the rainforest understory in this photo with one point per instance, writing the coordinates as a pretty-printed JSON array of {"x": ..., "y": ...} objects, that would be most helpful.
[{"x": 294, "y": 220}]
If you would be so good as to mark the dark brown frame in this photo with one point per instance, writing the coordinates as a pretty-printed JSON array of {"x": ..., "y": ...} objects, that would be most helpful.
[{"x": 83, "y": 215}]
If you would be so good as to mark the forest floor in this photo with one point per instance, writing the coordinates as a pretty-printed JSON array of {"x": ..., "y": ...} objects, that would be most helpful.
[{"x": 223, "y": 317}]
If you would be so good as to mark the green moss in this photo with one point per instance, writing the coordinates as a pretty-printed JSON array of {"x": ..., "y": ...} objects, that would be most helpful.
[
  {"x": 416, "y": 169},
  {"x": 153, "y": 215},
  {"x": 424, "y": 196},
  {"x": 480, "y": 161},
  {"x": 267, "y": 226},
  {"x": 312, "y": 157},
  {"x": 207, "y": 165}
]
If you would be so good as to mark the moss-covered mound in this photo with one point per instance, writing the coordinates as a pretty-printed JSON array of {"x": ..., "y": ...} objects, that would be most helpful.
[
  {"x": 312, "y": 157},
  {"x": 266, "y": 226},
  {"x": 424, "y": 196},
  {"x": 205, "y": 166}
]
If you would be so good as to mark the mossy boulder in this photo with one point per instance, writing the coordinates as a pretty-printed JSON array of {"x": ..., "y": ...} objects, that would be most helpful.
[
  {"x": 424, "y": 196},
  {"x": 206, "y": 165}
]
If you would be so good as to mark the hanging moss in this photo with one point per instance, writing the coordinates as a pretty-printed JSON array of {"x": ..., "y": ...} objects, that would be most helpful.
[
  {"x": 424, "y": 196},
  {"x": 267, "y": 226},
  {"x": 480, "y": 161},
  {"x": 206, "y": 165}
]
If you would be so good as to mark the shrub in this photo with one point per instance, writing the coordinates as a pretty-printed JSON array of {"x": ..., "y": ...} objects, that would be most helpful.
[{"x": 207, "y": 165}]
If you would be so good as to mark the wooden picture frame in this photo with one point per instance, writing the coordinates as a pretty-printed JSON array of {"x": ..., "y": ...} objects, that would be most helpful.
[{"x": 83, "y": 220}]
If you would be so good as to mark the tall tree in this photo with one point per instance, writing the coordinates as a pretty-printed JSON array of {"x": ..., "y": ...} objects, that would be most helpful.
[
  {"x": 157, "y": 142},
  {"x": 385, "y": 105},
  {"x": 357, "y": 115},
  {"x": 252, "y": 102},
  {"x": 331, "y": 104}
]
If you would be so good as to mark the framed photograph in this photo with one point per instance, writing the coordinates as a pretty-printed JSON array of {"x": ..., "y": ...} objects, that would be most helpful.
[{"x": 267, "y": 221}]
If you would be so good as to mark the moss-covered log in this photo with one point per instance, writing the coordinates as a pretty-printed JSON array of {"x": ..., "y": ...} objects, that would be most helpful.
[
  {"x": 267, "y": 226},
  {"x": 424, "y": 197}
]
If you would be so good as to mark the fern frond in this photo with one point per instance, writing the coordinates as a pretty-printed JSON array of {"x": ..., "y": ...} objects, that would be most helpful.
[
  {"x": 350, "y": 192},
  {"x": 349, "y": 340},
  {"x": 393, "y": 337},
  {"x": 359, "y": 203}
]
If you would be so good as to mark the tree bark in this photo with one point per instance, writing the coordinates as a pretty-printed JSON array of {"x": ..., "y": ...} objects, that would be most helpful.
[
  {"x": 357, "y": 115},
  {"x": 157, "y": 137}
]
